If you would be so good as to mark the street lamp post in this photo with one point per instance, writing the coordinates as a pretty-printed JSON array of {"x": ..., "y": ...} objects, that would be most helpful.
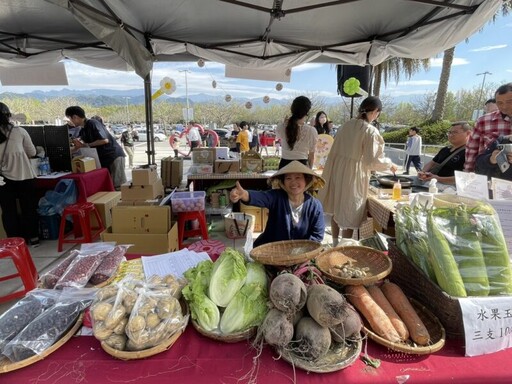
[
  {"x": 482, "y": 87},
  {"x": 127, "y": 111},
  {"x": 186, "y": 95}
]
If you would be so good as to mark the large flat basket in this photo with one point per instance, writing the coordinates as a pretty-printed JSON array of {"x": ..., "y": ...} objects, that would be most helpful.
[{"x": 287, "y": 252}]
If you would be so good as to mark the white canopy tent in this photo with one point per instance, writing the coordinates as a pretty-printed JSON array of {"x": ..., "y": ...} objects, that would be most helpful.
[{"x": 270, "y": 34}]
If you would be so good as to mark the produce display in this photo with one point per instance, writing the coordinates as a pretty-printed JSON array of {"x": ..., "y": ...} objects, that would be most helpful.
[
  {"x": 228, "y": 296},
  {"x": 308, "y": 322},
  {"x": 188, "y": 201},
  {"x": 134, "y": 315},
  {"x": 460, "y": 248}
]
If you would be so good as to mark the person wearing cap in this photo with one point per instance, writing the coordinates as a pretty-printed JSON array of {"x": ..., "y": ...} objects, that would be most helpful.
[
  {"x": 357, "y": 150},
  {"x": 294, "y": 214},
  {"x": 18, "y": 181}
]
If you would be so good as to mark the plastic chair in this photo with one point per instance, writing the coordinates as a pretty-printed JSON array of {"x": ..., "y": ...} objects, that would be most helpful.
[
  {"x": 183, "y": 217},
  {"x": 16, "y": 249},
  {"x": 82, "y": 231}
]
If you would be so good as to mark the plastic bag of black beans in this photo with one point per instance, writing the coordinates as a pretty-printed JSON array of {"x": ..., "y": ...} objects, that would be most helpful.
[{"x": 49, "y": 326}]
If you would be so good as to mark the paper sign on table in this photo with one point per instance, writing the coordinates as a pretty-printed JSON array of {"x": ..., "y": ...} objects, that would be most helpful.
[
  {"x": 472, "y": 185},
  {"x": 175, "y": 263},
  {"x": 487, "y": 324},
  {"x": 501, "y": 189}
]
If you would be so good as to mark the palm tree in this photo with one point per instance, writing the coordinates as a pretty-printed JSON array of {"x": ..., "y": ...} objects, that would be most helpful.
[
  {"x": 438, "y": 112},
  {"x": 394, "y": 67}
]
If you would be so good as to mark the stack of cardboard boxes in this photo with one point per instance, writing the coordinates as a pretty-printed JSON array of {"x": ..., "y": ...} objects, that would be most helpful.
[
  {"x": 171, "y": 172},
  {"x": 139, "y": 220}
]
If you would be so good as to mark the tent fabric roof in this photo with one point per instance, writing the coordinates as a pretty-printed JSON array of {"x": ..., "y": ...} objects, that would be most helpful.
[{"x": 133, "y": 34}]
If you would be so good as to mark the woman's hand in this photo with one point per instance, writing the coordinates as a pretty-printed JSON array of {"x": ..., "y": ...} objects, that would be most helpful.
[
  {"x": 238, "y": 193},
  {"x": 393, "y": 168}
]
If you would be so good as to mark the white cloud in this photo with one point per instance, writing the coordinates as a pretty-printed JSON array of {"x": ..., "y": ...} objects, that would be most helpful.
[
  {"x": 438, "y": 62},
  {"x": 489, "y": 48}
]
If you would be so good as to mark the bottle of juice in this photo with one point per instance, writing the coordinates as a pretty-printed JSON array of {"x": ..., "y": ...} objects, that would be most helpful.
[{"x": 397, "y": 190}]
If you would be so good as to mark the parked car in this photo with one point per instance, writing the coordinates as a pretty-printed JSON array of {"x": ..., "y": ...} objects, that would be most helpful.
[{"x": 143, "y": 136}]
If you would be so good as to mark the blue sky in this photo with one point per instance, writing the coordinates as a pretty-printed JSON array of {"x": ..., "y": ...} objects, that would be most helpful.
[{"x": 489, "y": 50}]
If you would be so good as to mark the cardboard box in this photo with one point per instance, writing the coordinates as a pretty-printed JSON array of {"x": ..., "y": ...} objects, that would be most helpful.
[
  {"x": 171, "y": 172},
  {"x": 200, "y": 169},
  {"x": 222, "y": 153},
  {"x": 141, "y": 219},
  {"x": 146, "y": 243},
  {"x": 203, "y": 155},
  {"x": 104, "y": 202},
  {"x": 81, "y": 164},
  {"x": 144, "y": 176},
  {"x": 251, "y": 162},
  {"x": 142, "y": 192},
  {"x": 227, "y": 166},
  {"x": 257, "y": 212},
  {"x": 131, "y": 203}
]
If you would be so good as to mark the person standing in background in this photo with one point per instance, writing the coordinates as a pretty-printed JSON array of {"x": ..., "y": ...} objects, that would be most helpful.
[
  {"x": 127, "y": 141},
  {"x": 95, "y": 135},
  {"x": 255, "y": 142},
  {"x": 322, "y": 124},
  {"x": 18, "y": 182},
  {"x": 413, "y": 150},
  {"x": 357, "y": 150},
  {"x": 233, "y": 147},
  {"x": 490, "y": 106},
  {"x": 242, "y": 139},
  {"x": 298, "y": 139},
  {"x": 194, "y": 137},
  {"x": 490, "y": 126}
]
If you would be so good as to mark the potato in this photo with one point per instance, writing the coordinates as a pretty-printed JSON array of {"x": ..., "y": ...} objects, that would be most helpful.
[
  {"x": 101, "y": 310},
  {"x": 152, "y": 320},
  {"x": 100, "y": 331},
  {"x": 120, "y": 327},
  {"x": 116, "y": 341},
  {"x": 107, "y": 292},
  {"x": 114, "y": 317},
  {"x": 129, "y": 301},
  {"x": 136, "y": 324}
]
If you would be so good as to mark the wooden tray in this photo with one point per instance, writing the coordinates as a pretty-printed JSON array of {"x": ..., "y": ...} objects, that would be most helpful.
[
  {"x": 340, "y": 356},
  {"x": 434, "y": 327},
  {"x": 378, "y": 263},
  {"x": 233, "y": 338},
  {"x": 7, "y": 366},
  {"x": 286, "y": 253},
  {"x": 164, "y": 346}
]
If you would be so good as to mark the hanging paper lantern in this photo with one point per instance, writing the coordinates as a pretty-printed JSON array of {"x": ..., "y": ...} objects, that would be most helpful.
[
  {"x": 227, "y": 98},
  {"x": 266, "y": 99},
  {"x": 248, "y": 105},
  {"x": 200, "y": 63},
  {"x": 214, "y": 84},
  {"x": 351, "y": 86},
  {"x": 279, "y": 86}
]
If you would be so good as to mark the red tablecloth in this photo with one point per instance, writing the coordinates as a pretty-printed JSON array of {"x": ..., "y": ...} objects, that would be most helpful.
[
  {"x": 87, "y": 183},
  {"x": 197, "y": 359}
]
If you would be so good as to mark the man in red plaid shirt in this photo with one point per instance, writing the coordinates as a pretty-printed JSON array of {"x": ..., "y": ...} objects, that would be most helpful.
[{"x": 488, "y": 127}]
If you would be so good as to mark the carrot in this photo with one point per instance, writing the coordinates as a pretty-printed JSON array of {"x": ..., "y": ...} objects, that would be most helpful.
[
  {"x": 402, "y": 306},
  {"x": 380, "y": 323},
  {"x": 377, "y": 295}
]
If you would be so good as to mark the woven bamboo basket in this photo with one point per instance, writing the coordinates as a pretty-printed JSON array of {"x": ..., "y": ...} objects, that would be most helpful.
[
  {"x": 232, "y": 338},
  {"x": 339, "y": 356},
  {"x": 379, "y": 265},
  {"x": 286, "y": 253},
  {"x": 417, "y": 285},
  {"x": 434, "y": 327},
  {"x": 162, "y": 347},
  {"x": 7, "y": 366}
]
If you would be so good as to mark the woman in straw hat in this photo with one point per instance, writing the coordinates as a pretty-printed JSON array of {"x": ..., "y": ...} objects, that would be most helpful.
[
  {"x": 293, "y": 212},
  {"x": 358, "y": 149}
]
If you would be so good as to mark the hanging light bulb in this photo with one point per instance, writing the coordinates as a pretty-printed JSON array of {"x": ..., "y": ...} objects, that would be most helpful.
[
  {"x": 227, "y": 98},
  {"x": 279, "y": 86},
  {"x": 200, "y": 63},
  {"x": 248, "y": 105},
  {"x": 266, "y": 99},
  {"x": 214, "y": 84}
]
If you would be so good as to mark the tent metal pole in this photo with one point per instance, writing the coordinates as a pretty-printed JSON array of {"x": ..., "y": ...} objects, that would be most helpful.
[{"x": 149, "y": 119}]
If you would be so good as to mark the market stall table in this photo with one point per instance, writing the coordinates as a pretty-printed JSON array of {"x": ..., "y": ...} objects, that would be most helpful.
[
  {"x": 382, "y": 211},
  {"x": 87, "y": 183}
]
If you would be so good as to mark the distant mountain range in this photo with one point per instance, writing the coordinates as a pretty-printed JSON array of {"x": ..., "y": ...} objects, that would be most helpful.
[{"x": 103, "y": 97}]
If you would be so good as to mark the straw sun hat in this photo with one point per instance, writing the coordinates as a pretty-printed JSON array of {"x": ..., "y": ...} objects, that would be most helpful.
[{"x": 296, "y": 167}]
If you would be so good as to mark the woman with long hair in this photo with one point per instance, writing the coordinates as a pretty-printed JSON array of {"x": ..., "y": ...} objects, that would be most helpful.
[
  {"x": 19, "y": 181},
  {"x": 322, "y": 123},
  {"x": 357, "y": 150},
  {"x": 298, "y": 139}
]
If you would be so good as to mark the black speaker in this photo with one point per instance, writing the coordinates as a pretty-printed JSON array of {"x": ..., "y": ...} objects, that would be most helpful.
[{"x": 362, "y": 74}]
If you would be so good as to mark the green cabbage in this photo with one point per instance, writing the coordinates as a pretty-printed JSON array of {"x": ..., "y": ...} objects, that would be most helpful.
[
  {"x": 247, "y": 309},
  {"x": 256, "y": 274},
  {"x": 228, "y": 276}
]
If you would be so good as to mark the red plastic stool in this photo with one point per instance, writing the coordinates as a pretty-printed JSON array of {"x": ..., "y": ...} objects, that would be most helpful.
[
  {"x": 188, "y": 216},
  {"x": 17, "y": 250},
  {"x": 82, "y": 231}
]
